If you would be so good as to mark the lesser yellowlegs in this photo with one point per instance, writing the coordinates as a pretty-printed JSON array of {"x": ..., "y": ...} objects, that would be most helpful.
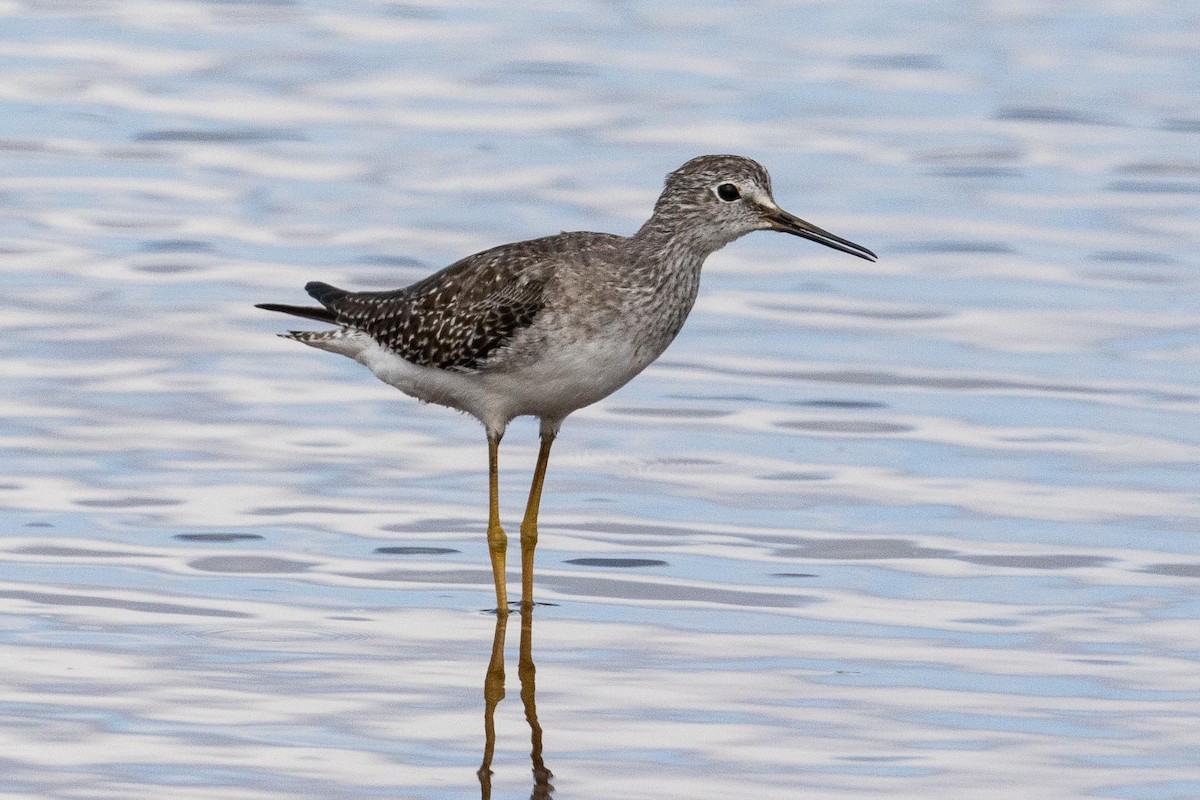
[{"x": 547, "y": 326}]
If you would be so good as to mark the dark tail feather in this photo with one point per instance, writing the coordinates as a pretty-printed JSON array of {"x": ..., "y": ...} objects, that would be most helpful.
[
  {"x": 319, "y": 314},
  {"x": 323, "y": 293}
]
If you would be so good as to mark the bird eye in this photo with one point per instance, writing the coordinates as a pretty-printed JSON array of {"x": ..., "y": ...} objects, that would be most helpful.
[{"x": 728, "y": 192}]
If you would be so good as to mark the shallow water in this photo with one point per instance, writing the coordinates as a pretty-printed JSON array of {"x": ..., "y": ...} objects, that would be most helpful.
[{"x": 921, "y": 528}]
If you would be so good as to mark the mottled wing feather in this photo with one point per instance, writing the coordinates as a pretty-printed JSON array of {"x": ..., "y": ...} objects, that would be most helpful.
[{"x": 453, "y": 319}]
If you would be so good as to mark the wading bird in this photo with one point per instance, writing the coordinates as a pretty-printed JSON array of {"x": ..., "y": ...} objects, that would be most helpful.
[{"x": 547, "y": 326}]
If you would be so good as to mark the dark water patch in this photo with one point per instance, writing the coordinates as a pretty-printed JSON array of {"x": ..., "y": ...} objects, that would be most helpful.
[
  {"x": 809, "y": 287},
  {"x": 435, "y": 525},
  {"x": 891, "y": 379},
  {"x": 416, "y": 551},
  {"x": 845, "y": 426},
  {"x": 168, "y": 269},
  {"x": 1154, "y": 187},
  {"x": 1168, "y": 168},
  {"x": 75, "y": 552},
  {"x": 1181, "y": 124},
  {"x": 21, "y": 249},
  {"x": 221, "y": 137},
  {"x": 891, "y": 549},
  {"x": 23, "y": 146},
  {"x": 1172, "y": 397},
  {"x": 1049, "y": 114},
  {"x": 393, "y": 261},
  {"x": 813, "y": 475},
  {"x": 1057, "y": 561},
  {"x": 861, "y": 550},
  {"x": 283, "y": 511},
  {"x": 620, "y": 563},
  {"x": 1132, "y": 257},
  {"x": 976, "y": 172},
  {"x": 129, "y": 502},
  {"x": 131, "y": 223},
  {"x": 93, "y": 601},
  {"x": 549, "y": 69},
  {"x": 671, "y": 413},
  {"x": 411, "y": 11},
  {"x": 250, "y": 564},
  {"x": 176, "y": 246},
  {"x": 452, "y": 576},
  {"x": 683, "y": 461},
  {"x": 216, "y": 537},
  {"x": 279, "y": 635},
  {"x": 717, "y": 398},
  {"x": 995, "y": 622},
  {"x": 1175, "y": 570},
  {"x": 952, "y": 246},
  {"x": 139, "y": 153},
  {"x": 890, "y": 316},
  {"x": 903, "y": 61},
  {"x": 629, "y": 529},
  {"x": 970, "y": 155},
  {"x": 838, "y": 404},
  {"x": 587, "y": 586},
  {"x": 1140, "y": 278}
]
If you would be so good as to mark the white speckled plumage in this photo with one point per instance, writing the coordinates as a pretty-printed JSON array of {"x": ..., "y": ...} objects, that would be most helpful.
[{"x": 547, "y": 326}]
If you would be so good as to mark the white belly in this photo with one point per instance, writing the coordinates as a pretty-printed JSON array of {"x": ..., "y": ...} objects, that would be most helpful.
[{"x": 560, "y": 381}]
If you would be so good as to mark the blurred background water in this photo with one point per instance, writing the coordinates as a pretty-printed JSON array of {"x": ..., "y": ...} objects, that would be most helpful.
[{"x": 922, "y": 528}]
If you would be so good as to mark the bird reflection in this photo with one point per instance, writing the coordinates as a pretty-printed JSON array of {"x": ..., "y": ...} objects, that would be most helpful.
[{"x": 493, "y": 693}]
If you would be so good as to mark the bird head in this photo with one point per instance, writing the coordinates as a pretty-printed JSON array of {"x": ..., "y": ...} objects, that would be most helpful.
[{"x": 716, "y": 199}]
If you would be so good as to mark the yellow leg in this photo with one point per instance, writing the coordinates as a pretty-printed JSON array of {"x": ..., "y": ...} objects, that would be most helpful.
[
  {"x": 497, "y": 540},
  {"x": 529, "y": 531}
]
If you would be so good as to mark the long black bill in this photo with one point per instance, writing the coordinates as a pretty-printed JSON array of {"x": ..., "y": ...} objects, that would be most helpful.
[{"x": 782, "y": 221}]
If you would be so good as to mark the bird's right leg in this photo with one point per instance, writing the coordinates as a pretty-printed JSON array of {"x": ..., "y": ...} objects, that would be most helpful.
[
  {"x": 529, "y": 526},
  {"x": 497, "y": 540}
]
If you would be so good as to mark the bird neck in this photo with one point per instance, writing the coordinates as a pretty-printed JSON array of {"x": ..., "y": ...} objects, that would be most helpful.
[
  {"x": 673, "y": 239},
  {"x": 666, "y": 267}
]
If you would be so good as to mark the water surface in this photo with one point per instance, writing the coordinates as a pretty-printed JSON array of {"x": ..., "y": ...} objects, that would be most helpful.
[{"x": 922, "y": 528}]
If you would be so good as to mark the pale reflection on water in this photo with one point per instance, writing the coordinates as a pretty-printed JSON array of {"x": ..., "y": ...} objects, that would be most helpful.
[
  {"x": 920, "y": 528},
  {"x": 494, "y": 691}
]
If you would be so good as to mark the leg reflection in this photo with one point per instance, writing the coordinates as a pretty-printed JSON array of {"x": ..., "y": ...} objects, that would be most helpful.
[
  {"x": 493, "y": 693},
  {"x": 527, "y": 673}
]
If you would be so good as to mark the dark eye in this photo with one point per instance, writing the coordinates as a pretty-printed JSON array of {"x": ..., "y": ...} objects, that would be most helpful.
[{"x": 728, "y": 192}]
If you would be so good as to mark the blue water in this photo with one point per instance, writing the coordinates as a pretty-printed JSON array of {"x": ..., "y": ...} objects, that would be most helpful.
[{"x": 929, "y": 526}]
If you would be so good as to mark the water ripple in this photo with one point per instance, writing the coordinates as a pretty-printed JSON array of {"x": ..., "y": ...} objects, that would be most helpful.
[{"x": 922, "y": 527}]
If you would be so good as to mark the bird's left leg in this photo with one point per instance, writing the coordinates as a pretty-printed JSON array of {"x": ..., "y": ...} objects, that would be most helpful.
[
  {"x": 529, "y": 529},
  {"x": 497, "y": 540}
]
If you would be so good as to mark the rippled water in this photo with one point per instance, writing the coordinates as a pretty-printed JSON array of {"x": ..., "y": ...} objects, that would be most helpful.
[{"x": 923, "y": 528}]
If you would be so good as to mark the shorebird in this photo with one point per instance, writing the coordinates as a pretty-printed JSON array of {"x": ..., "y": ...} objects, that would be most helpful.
[{"x": 547, "y": 326}]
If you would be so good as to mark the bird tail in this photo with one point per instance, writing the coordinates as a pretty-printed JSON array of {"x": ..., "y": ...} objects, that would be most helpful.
[
  {"x": 323, "y": 293},
  {"x": 308, "y": 312},
  {"x": 346, "y": 341}
]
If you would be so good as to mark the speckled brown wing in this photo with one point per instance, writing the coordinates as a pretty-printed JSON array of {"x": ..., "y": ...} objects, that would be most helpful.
[{"x": 453, "y": 319}]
